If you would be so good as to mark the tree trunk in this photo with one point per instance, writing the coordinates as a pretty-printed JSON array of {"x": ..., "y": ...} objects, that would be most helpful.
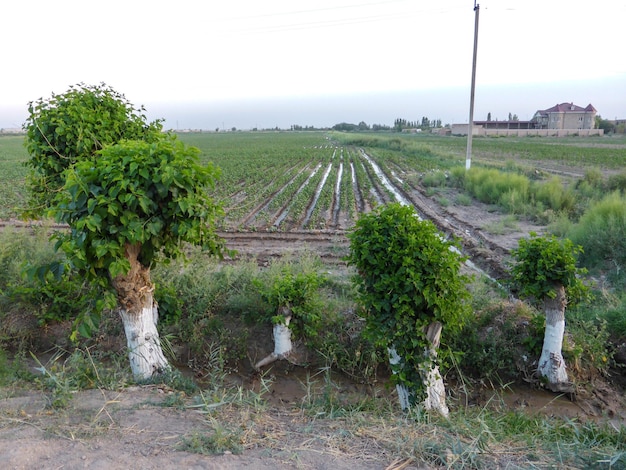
[
  {"x": 282, "y": 340},
  {"x": 551, "y": 363},
  {"x": 402, "y": 390},
  {"x": 140, "y": 315},
  {"x": 435, "y": 389},
  {"x": 431, "y": 378}
]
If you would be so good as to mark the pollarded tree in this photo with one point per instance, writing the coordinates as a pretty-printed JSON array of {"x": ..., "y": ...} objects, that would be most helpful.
[
  {"x": 73, "y": 126},
  {"x": 410, "y": 286},
  {"x": 297, "y": 309},
  {"x": 134, "y": 204},
  {"x": 546, "y": 272}
]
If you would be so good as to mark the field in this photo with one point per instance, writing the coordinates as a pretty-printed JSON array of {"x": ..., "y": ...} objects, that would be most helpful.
[{"x": 300, "y": 192}]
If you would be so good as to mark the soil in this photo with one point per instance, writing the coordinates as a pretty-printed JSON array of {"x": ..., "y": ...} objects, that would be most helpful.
[
  {"x": 133, "y": 427},
  {"x": 136, "y": 428}
]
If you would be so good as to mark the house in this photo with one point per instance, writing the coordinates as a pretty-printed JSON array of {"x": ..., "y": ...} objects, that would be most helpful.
[
  {"x": 565, "y": 116},
  {"x": 559, "y": 121}
]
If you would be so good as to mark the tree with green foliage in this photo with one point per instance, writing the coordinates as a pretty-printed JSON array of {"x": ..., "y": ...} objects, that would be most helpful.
[
  {"x": 410, "y": 286},
  {"x": 73, "y": 126},
  {"x": 604, "y": 124},
  {"x": 545, "y": 272},
  {"x": 294, "y": 300},
  {"x": 128, "y": 205},
  {"x": 134, "y": 205}
]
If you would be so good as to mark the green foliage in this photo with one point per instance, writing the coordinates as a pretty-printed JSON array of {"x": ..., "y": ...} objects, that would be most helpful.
[
  {"x": 59, "y": 297},
  {"x": 491, "y": 186},
  {"x": 586, "y": 346},
  {"x": 463, "y": 200},
  {"x": 136, "y": 193},
  {"x": 544, "y": 263},
  {"x": 601, "y": 230},
  {"x": 203, "y": 303},
  {"x": 408, "y": 277},
  {"x": 297, "y": 289},
  {"x": 220, "y": 440},
  {"x": 74, "y": 126},
  {"x": 617, "y": 182},
  {"x": 553, "y": 195},
  {"x": 37, "y": 281},
  {"x": 176, "y": 380},
  {"x": 66, "y": 373},
  {"x": 434, "y": 179},
  {"x": 13, "y": 172}
]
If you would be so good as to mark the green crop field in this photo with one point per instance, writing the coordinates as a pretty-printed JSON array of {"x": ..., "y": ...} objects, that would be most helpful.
[
  {"x": 13, "y": 173},
  {"x": 312, "y": 180}
]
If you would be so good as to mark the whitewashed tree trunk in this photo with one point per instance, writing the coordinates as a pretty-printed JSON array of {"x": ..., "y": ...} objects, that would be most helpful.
[
  {"x": 551, "y": 363},
  {"x": 431, "y": 378},
  {"x": 435, "y": 389},
  {"x": 142, "y": 338},
  {"x": 403, "y": 392},
  {"x": 139, "y": 316},
  {"x": 282, "y": 340}
]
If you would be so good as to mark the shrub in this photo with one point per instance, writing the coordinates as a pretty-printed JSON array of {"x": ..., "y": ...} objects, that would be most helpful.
[
  {"x": 293, "y": 283},
  {"x": 602, "y": 231},
  {"x": 463, "y": 200},
  {"x": 434, "y": 179},
  {"x": 617, "y": 182},
  {"x": 27, "y": 286},
  {"x": 490, "y": 186},
  {"x": 543, "y": 263},
  {"x": 553, "y": 195},
  {"x": 408, "y": 278}
]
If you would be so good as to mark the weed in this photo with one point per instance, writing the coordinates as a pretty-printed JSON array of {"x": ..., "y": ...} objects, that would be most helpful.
[
  {"x": 219, "y": 440},
  {"x": 174, "y": 379},
  {"x": 443, "y": 201},
  {"x": 462, "y": 199},
  {"x": 506, "y": 224},
  {"x": 434, "y": 179},
  {"x": 602, "y": 231}
]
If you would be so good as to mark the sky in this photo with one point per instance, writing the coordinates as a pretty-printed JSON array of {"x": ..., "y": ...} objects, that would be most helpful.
[{"x": 248, "y": 63}]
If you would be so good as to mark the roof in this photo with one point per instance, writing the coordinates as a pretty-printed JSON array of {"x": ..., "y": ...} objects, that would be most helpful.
[{"x": 568, "y": 108}]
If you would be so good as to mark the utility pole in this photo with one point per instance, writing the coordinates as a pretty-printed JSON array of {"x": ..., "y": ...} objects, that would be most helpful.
[{"x": 470, "y": 129}]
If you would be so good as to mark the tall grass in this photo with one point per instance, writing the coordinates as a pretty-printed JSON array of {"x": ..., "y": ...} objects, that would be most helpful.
[
  {"x": 495, "y": 187},
  {"x": 601, "y": 231}
]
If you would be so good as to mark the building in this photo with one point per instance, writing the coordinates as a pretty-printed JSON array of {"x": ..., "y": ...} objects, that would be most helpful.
[
  {"x": 561, "y": 120},
  {"x": 565, "y": 116}
]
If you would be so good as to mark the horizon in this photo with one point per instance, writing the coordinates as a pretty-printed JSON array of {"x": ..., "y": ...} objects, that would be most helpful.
[{"x": 450, "y": 105}]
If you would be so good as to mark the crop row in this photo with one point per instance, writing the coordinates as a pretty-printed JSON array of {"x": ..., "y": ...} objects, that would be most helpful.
[{"x": 301, "y": 184}]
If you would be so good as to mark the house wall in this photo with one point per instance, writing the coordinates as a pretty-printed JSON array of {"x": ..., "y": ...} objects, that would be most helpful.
[
  {"x": 571, "y": 120},
  {"x": 461, "y": 129}
]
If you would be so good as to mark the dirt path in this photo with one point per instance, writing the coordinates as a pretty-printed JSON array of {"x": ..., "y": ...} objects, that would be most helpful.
[{"x": 139, "y": 428}]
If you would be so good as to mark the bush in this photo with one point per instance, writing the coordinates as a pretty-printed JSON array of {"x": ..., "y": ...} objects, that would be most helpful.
[
  {"x": 602, "y": 231},
  {"x": 617, "y": 182},
  {"x": 553, "y": 195},
  {"x": 434, "y": 179},
  {"x": 491, "y": 186},
  {"x": 202, "y": 303},
  {"x": 408, "y": 278},
  {"x": 28, "y": 284},
  {"x": 291, "y": 286}
]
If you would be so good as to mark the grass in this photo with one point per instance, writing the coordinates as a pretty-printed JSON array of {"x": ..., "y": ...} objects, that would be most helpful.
[{"x": 506, "y": 224}]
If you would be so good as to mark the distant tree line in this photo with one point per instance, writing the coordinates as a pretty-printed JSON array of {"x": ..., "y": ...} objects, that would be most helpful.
[
  {"x": 398, "y": 125},
  {"x": 512, "y": 117},
  {"x": 611, "y": 127}
]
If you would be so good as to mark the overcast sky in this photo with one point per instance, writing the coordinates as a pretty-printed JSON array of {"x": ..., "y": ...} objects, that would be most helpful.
[{"x": 253, "y": 63}]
